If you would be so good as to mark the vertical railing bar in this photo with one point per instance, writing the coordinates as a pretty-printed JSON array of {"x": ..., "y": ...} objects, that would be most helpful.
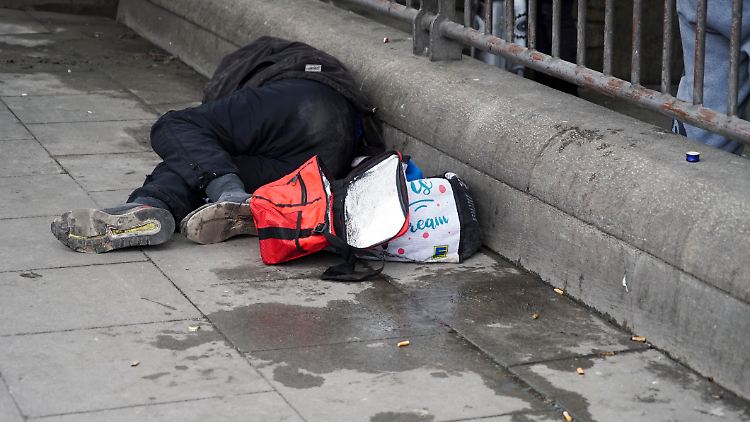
[
  {"x": 734, "y": 54},
  {"x": 532, "y": 24},
  {"x": 468, "y": 21},
  {"x": 609, "y": 22},
  {"x": 509, "y": 20},
  {"x": 700, "y": 51},
  {"x": 556, "y": 16},
  {"x": 635, "y": 63},
  {"x": 487, "y": 17},
  {"x": 581, "y": 35},
  {"x": 467, "y": 13},
  {"x": 666, "y": 51}
]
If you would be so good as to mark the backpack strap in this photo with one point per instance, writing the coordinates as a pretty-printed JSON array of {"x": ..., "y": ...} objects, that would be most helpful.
[{"x": 346, "y": 271}]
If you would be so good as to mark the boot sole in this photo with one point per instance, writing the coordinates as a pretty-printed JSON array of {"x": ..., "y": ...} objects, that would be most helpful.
[
  {"x": 96, "y": 231},
  {"x": 217, "y": 222}
]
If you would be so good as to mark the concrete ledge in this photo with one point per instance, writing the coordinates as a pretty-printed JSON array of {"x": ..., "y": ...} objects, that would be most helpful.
[{"x": 582, "y": 196}]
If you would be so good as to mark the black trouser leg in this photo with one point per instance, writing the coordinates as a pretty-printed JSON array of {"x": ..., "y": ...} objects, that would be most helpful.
[{"x": 168, "y": 187}]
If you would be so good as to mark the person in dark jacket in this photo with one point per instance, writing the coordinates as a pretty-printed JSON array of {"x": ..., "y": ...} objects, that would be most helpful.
[{"x": 269, "y": 107}]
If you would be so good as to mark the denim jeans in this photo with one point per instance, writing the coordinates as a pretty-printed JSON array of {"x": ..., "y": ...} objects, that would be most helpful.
[{"x": 715, "y": 85}]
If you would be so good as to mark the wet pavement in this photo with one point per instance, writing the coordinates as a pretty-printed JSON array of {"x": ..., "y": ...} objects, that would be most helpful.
[{"x": 193, "y": 332}]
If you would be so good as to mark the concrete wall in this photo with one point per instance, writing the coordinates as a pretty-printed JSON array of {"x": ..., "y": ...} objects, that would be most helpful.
[{"x": 590, "y": 200}]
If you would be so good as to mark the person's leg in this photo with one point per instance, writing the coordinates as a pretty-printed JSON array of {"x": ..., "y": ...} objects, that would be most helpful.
[
  {"x": 148, "y": 217},
  {"x": 716, "y": 75}
]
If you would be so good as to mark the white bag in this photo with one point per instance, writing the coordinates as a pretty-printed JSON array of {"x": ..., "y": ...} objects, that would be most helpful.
[{"x": 443, "y": 225}]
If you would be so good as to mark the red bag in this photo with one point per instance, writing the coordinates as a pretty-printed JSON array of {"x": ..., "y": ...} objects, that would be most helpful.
[
  {"x": 305, "y": 211},
  {"x": 292, "y": 213}
]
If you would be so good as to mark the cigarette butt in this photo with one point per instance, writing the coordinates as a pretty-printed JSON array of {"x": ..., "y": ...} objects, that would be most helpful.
[
  {"x": 639, "y": 339},
  {"x": 567, "y": 416},
  {"x": 403, "y": 343},
  {"x": 580, "y": 371},
  {"x": 607, "y": 353},
  {"x": 135, "y": 363},
  {"x": 535, "y": 315},
  {"x": 559, "y": 291},
  {"x": 194, "y": 328}
]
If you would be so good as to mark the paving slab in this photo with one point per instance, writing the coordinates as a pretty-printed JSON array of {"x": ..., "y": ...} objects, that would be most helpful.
[
  {"x": 480, "y": 272},
  {"x": 8, "y": 410},
  {"x": 23, "y": 84},
  {"x": 166, "y": 107},
  {"x": 192, "y": 266},
  {"x": 161, "y": 86},
  {"x": 94, "y": 137},
  {"x": 435, "y": 378},
  {"x": 31, "y": 53},
  {"x": 522, "y": 417},
  {"x": 110, "y": 171},
  {"x": 633, "y": 386},
  {"x": 259, "y": 318},
  {"x": 20, "y": 24},
  {"x": 10, "y": 127},
  {"x": 79, "y": 371},
  {"x": 28, "y": 244},
  {"x": 110, "y": 198},
  {"x": 266, "y": 407},
  {"x": 40, "y": 195},
  {"x": 111, "y": 105},
  {"x": 78, "y": 298},
  {"x": 267, "y": 307},
  {"x": 501, "y": 322},
  {"x": 52, "y": 18},
  {"x": 24, "y": 158}
]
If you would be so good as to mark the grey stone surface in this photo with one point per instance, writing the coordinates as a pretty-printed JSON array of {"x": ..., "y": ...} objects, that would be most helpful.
[
  {"x": 159, "y": 87},
  {"x": 195, "y": 45},
  {"x": 94, "y": 137},
  {"x": 576, "y": 171},
  {"x": 435, "y": 378},
  {"x": 78, "y": 108},
  {"x": 10, "y": 126},
  {"x": 110, "y": 171},
  {"x": 28, "y": 244},
  {"x": 164, "y": 108},
  {"x": 8, "y": 410},
  {"x": 92, "y": 369},
  {"x": 23, "y": 84},
  {"x": 110, "y": 198},
  {"x": 479, "y": 272},
  {"x": 673, "y": 310},
  {"x": 85, "y": 374},
  {"x": 633, "y": 386},
  {"x": 523, "y": 417},
  {"x": 33, "y": 196},
  {"x": 24, "y": 158},
  {"x": 500, "y": 322},
  {"x": 78, "y": 298},
  {"x": 261, "y": 307},
  {"x": 267, "y": 407},
  {"x": 19, "y": 23}
]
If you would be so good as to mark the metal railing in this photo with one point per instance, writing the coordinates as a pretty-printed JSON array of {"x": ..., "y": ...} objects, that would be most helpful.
[{"x": 438, "y": 36}]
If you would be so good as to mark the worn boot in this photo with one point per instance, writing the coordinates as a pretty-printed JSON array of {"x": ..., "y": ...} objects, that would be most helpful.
[
  {"x": 228, "y": 214},
  {"x": 97, "y": 231}
]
